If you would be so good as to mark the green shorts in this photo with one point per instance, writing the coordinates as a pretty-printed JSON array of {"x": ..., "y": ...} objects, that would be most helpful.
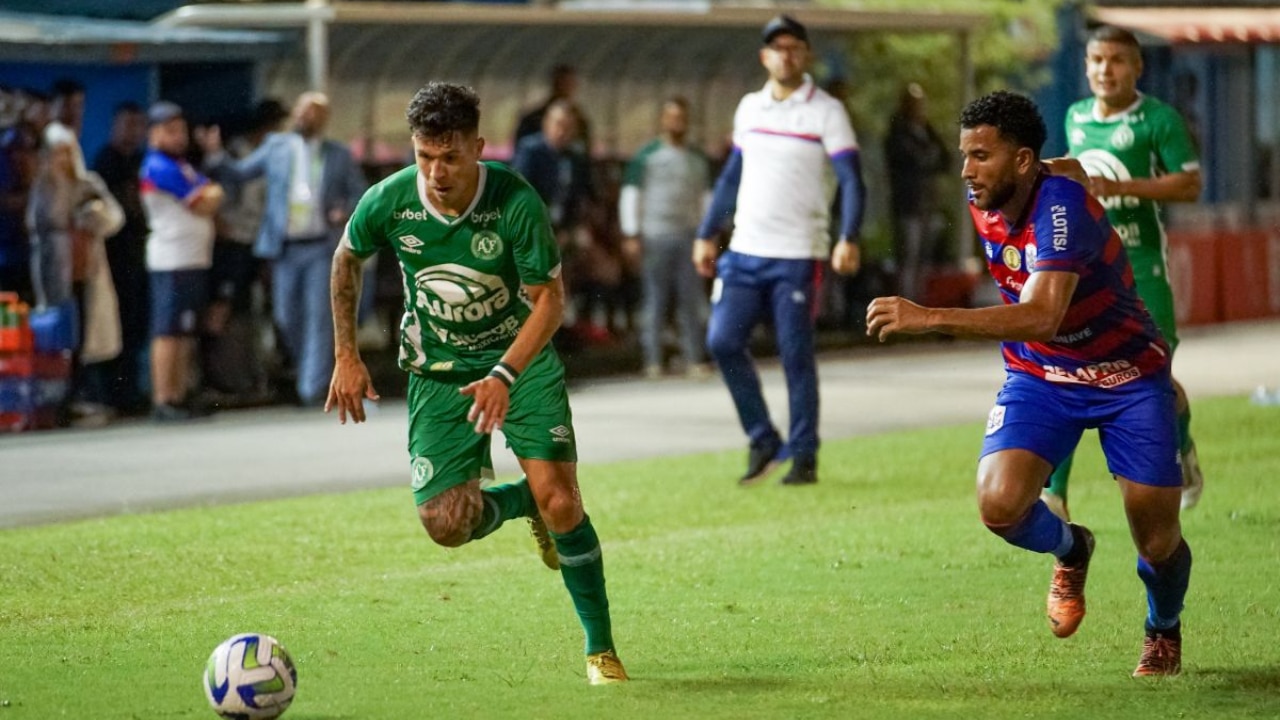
[
  {"x": 445, "y": 449},
  {"x": 1157, "y": 295}
]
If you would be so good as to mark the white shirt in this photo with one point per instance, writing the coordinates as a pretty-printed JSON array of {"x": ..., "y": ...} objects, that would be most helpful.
[{"x": 788, "y": 184}]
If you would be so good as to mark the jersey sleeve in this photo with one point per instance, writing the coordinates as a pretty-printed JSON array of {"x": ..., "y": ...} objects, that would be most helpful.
[
  {"x": 634, "y": 173},
  {"x": 1173, "y": 144},
  {"x": 169, "y": 177},
  {"x": 1068, "y": 227},
  {"x": 837, "y": 131},
  {"x": 365, "y": 235},
  {"x": 533, "y": 242}
]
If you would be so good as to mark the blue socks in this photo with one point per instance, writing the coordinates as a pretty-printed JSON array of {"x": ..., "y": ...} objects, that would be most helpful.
[
  {"x": 1038, "y": 531},
  {"x": 1166, "y": 586}
]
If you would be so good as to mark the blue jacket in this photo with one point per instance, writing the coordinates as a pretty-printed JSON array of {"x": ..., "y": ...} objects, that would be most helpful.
[{"x": 341, "y": 185}]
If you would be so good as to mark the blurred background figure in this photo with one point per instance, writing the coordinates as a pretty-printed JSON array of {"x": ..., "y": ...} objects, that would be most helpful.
[
  {"x": 233, "y": 351},
  {"x": 564, "y": 89},
  {"x": 70, "y": 212},
  {"x": 312, "y": 184},
  {"x": 118, "y": 163},
  {"x": 19, "y": 158},
  {"x": 915, "y": 156},
  {"x": 560, "y": 172},
  {"x": 180, "y": 205},
  {"x": 665, "y": 190},
  {"x": 66, "y": 106}
]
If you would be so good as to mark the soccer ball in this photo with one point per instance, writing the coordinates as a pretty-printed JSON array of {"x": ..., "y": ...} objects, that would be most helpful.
[{"x": 250, "y": 677}]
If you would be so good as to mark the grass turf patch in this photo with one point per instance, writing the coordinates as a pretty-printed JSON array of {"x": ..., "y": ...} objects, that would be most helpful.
[{"x": 876, "y": 593}]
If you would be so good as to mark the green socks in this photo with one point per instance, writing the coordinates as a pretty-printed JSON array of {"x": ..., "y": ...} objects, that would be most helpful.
[
  {"x": 1058, "y": 478},
  {"x": 503, "y": 503},
  {"x": 583, "y": 572}
]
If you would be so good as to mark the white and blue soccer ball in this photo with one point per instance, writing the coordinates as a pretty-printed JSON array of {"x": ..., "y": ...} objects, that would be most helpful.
[{"x": 250, "y": 677}]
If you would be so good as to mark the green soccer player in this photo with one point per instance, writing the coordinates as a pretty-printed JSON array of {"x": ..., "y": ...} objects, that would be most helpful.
[
  {"x": 483, "y": 296},
  {"x": 1137, "y": 153}
]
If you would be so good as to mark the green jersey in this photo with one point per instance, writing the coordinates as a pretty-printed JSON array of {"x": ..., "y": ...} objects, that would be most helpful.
[
  {"x": 1148, "y": 139},
  {"x": 464, "y": 276}
]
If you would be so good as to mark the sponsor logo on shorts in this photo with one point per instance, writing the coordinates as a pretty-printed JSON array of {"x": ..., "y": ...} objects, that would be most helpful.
[
  {"x": 423, "y": 471},
  {"x": 561, "y": 434},
  {"x": 443, "y": 366},
  {"x": 995, "y": 419},
  {"x": 1030, "y": 252},
  {"x": 1104, "y": 374}
]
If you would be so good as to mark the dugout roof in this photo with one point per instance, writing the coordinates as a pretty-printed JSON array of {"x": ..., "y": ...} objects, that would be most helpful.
[
  {"x": 629, "y": 55},
  {"x": 26, "y": 37}
]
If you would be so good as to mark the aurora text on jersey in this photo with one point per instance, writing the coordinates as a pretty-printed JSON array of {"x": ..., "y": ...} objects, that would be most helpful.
[
  {"x": 1107, "y": 338},
  {"x": 463, "y": 276}
]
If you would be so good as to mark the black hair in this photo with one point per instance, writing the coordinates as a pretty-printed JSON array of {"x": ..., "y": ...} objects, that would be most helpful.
[
  {"x": 1113, "y": 34},
  {"x": 1014, "y": 116},
  {"x": 441, "y": 109},
  {"x": 67, "y": 87},
  {"x": 129, "y": 106}
]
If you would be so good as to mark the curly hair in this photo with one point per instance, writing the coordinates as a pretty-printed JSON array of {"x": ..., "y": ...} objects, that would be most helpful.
[
  {"x": 441, "y": 109},
  {"x": 1014, "y": 116}
]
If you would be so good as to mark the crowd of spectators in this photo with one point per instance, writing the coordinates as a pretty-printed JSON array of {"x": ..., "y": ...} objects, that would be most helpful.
[{"x": 193, "y": 272}]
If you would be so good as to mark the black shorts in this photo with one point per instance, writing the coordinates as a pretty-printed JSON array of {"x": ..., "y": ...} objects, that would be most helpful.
[{"x": 178, "y": 297}]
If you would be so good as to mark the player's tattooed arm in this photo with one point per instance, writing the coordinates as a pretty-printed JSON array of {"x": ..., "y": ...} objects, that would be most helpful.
[
  {"x": 344, "y": 287},
  {"x": 351, "y": 384}
]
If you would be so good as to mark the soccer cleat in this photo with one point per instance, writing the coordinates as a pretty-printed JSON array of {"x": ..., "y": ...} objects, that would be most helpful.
[
  {"x": 761, "y": 460},
  {"x": 604, "y": 668},
  {"x": 804, "y": 471},
  {"x": 546, "y": 546},
  {"x": 1057, "y": 505},
  {"x": 1161, "y": 654},
  {"x": 1192, "y": 478},
  {"x": 1066, "y": 591}
]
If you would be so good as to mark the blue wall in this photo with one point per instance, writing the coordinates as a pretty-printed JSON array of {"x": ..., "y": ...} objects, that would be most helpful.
[{"x": 105, "y": 87}]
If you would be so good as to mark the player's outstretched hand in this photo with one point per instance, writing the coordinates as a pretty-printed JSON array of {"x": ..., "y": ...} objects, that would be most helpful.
[
  {"x": 349, "y": 388},
  {"x": 704, "y": 257},
  {"x": 491, "y": 402},
  {"x": 894, "y": 315}
]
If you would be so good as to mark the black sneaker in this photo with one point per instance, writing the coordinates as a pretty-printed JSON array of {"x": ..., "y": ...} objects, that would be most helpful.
[
  {"x": 761, "y": 461},
  {"x": 804, "y": 471}
]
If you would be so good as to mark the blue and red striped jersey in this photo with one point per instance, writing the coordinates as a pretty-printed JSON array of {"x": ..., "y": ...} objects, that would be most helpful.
[{"x": 1107, "y": 338}]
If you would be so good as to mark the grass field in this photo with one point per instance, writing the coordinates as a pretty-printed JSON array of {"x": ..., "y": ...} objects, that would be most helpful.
[{"x": 875, "y": 594}]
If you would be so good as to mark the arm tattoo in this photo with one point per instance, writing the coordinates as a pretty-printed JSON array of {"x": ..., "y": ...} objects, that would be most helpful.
[{"x": 344, "y": 289}]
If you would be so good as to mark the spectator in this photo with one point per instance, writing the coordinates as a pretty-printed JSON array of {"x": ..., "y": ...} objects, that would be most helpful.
[
  {"x": 665, "y": 190},
  {"x": 915, "y": 155},
  {"x": 180, "y": 205},
  {"x": 560, "y": 172},
  {"x": 69, "y": 214},
  {"x": 564, "y": 88},
  {"x": 19, "y": 146},
  {"x": 233, "y": 358},
  {"x": 67, "y": 105},
  {"x": 119, "y": 163},
  {"x": 312, "y": 185}
]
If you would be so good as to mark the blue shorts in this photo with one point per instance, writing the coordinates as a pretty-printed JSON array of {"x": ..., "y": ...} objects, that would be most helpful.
[
  {"x": 1136, "y": 423},
  {"x": 178, "y": 297}
]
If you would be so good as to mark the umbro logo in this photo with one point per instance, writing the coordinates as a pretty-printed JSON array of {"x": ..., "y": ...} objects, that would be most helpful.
[
  {"x": 410, "y": 244},
  {"x": 561, "y": 434}
]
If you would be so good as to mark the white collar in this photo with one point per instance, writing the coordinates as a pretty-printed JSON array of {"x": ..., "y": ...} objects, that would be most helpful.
[
  {"x": 426, "y": 202},
  {"x": 1117, "y": 117}
]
